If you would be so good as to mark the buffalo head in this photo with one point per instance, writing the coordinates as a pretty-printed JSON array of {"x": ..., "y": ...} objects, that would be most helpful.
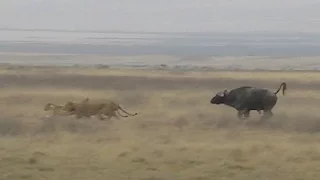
[{"x": 219, "y": 98}]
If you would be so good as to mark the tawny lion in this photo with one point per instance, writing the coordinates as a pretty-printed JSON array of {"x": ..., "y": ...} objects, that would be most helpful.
[
  {"x": 98, "y": 108},
  {"x": 56, "y": 109},
  {"x": 59, "y": 109}
]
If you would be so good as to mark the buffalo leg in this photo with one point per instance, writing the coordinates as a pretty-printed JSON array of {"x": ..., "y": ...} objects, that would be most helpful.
[
  {"x": 246, "y": 114},
  {"x": 242, "y": 113},
  {"x": 267, "y": 114},
  {"x": 239, "y": 115}
]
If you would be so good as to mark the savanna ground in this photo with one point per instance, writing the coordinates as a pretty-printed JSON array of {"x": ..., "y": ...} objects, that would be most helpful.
[{"x": 178, "y": 134}]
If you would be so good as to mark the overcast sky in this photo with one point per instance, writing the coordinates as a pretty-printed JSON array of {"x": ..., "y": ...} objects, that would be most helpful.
[{"x": 163, "y": 15}]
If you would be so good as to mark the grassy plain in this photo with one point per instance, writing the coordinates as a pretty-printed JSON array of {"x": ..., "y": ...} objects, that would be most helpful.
[{"x": 178, "y": 134}]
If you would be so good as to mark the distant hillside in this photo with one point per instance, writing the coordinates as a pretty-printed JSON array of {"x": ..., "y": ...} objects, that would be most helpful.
[{"x": 137, "y": 43}]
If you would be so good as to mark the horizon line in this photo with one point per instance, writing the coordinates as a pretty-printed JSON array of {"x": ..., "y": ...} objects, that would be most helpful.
[{"x": 154, "y": 32}]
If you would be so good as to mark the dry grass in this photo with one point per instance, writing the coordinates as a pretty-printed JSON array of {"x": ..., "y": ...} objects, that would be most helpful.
[{"x": 178, "y": 135}]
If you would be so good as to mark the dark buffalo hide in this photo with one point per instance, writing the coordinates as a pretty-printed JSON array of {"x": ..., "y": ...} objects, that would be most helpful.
[{"x": 247, "y": 98}]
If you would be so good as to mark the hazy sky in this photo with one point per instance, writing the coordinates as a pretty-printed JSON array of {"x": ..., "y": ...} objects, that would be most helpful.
[{"x": 163, "y": 15}]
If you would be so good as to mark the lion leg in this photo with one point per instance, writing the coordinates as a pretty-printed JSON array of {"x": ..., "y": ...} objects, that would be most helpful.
[
  {"x": 109, "y": 116},
  {"x": 54, "y": 113},
  {"x": 78, "y": 115},
  {"x": 62, "y": 113},
  {"x": 57, "y": 112},
  {"x": 114, "y": 114},
  {"x": 100, "y": 116}
]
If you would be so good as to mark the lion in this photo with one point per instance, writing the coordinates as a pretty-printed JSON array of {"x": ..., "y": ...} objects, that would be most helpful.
[
  {"x": 99, "y": 108},
  {"x": 59, "y": 109},
  {"x": 56, "y": 109}
]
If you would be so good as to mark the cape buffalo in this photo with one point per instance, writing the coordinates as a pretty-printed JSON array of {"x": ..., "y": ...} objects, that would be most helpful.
[{"x": 246, "y": 98}]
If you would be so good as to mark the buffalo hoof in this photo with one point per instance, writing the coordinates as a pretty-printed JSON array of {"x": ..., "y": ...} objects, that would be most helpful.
[
  {"x": 243, "y": 114},
  {"x": 265, "y": 117},
  {"x": 242, "y": 117}
]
